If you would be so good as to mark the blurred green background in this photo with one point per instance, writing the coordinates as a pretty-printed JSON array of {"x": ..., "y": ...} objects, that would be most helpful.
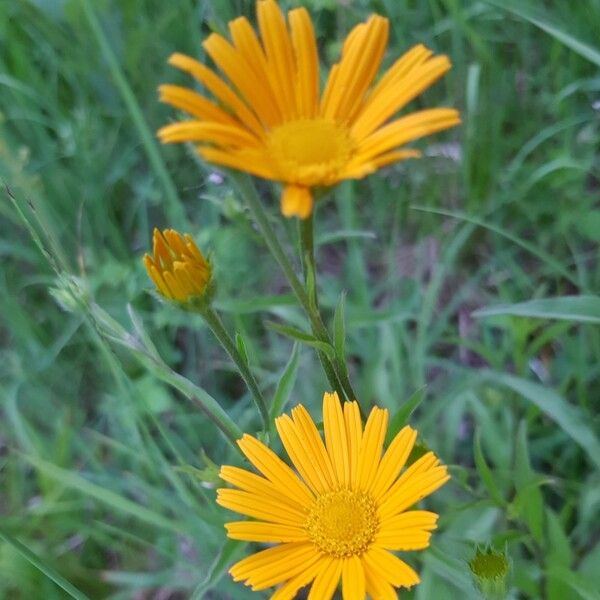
[{"x": 106, "y": 472}]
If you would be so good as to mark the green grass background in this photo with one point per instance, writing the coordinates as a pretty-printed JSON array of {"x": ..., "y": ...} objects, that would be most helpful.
[{"x": 106, "y": 476}]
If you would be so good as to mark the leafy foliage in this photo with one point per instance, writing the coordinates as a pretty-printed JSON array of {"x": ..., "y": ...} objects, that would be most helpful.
[{"x": 99, "y": 456}]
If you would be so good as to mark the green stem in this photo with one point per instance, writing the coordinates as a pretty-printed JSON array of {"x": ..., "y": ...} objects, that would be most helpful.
[
  {"x": 216, "y": 325},
  {"x": 307, "y": 249},
  {"x": 248, "y": 192}
]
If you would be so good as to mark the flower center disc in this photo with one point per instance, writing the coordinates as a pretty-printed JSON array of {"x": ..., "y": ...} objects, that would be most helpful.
[
  {"x": 343, "y": 523},
  {"x": 310, "y": 151}
]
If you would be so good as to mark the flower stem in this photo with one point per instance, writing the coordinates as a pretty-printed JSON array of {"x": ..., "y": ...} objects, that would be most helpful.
[
  {"x": 213, "y": 320},
  {"x": 249, "y": 194},
  {"x": 307, "y": 249}
]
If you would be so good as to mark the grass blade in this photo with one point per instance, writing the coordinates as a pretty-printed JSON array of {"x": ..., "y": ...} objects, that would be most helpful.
[
  {"x": 37, "y": 562},
  {"x": 584, "y": 309},
  {"x": 173, "y": 204},
  {"x": 286, "y": 384},
  {"x": 108, "y": 497},
  {"x": 541, "y": 254},
  {"x": 539, "y": 19},
  {"x": 571, "y": 420}
]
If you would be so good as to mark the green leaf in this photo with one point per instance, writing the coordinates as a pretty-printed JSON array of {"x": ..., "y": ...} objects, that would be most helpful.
[
  {"x": 285, "y": 384},
  {"x": 209, "y": 474},
  {"x": 241, "y": 347},
  {"x": 540, "y": 19},
  {"x": 231, "y": 550},
  {"x": 401, "y": 417},
  {"x": 544, "y": 256},
  {"x": 302, "y": 336},
  {"x": 47, "y": 570},
  {"x": 311, "y": 283},
  {"x": 339, "y": 332},
  {"x": 584, "y": 309},
  {"x": 529, "y": 501},
  {"x": 571, "y": 420},
  {"x": 559, "y": 550},
  {"x": 254, "y": 305},
  {"x": 583, "y": 587},
  {"x": 486, "y": 473}
]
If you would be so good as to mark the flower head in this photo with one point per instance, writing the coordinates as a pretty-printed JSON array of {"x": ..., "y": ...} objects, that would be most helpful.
[
  {"x": 177, "y": 267},
  {"x": 340, "y": 514},
  {"x": 490, "y": 569},
  {"x": 268, "y": 117}
]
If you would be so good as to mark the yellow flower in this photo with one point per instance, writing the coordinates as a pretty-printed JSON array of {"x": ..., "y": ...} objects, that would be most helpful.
[
  {"x": 177, "y": 267},
  {"x": 343, "y": 511},
  {"x": 269, "y": 118}
]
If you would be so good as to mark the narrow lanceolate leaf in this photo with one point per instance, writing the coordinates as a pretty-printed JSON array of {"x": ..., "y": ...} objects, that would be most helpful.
[
  {"x": 528, "y": 501},
  {"x": 583, "y": 309},
  {"x": 303, "y": 337},
  {"x": 401, "y": 417},
  {"x": 571, "y": 420},
  {"x": 339, "y": 332},
  {"x": 241, "y": 347},
  {"x": 486, "y": 473},
  {"x": 286, "y": 384},
  {"x": 231, "y": 550},
  {"x": 583, "y": 587},
  {"x": 46, "y": 569}
]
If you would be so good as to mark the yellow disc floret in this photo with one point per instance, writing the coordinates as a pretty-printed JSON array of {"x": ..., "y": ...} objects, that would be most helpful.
[{"x": 343, "y": 523}]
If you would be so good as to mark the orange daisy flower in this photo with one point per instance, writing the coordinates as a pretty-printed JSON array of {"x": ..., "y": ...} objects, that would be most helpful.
[
  {"x": 268, "y": 117},
  {"x": 340, "y": 515}
]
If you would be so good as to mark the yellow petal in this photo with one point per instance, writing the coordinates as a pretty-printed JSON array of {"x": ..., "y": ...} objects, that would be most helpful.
[
  {"x": 354, "y": 432},
  {"x": 405, "y": 130},
  {"x": 245, "y": 159},
  {"x": 361, "y": 57},
  {"x": 363, "y": 68},
  {"x": 391, "y": 157},
  {"x": 307, "y": 62},
  {"x": 274, "y": 565},
  {"x": 280, "y": 57},
  {"x": 393, "y": 460},
  {"x": 243, "y": 74},
  {"x": 216, "y": 86},
  {"x": 398, "y": 94},
  {"x": 207, "y": 131},
  {"x": 302, "y": 455},
  {"x": 274, "y": 469},
  {"x": 156, "y": 277},
  {"x": 390, "y": 568},
  {"x": 247, "y": 44},
  {"x": 289, "y": 589},
  {"x": 336, "y": 438},
  {"x": 327, "y": 580},
  {"x": 194, "y": 104},
  {"x": 371, "y": 447},
  {"x": 260, "y": 507},
  {"x": 411, "y": 488},
  {"x": 255, "y": 484},
  {"x": 296, "y": 201},
  {"x": 377, "y": 587},
  {"x": 412, "y": 58},
  {"x": 353, "y": 579},
  {"x": 258, "y": 531},
  {"x": 407, "y": 531}
]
